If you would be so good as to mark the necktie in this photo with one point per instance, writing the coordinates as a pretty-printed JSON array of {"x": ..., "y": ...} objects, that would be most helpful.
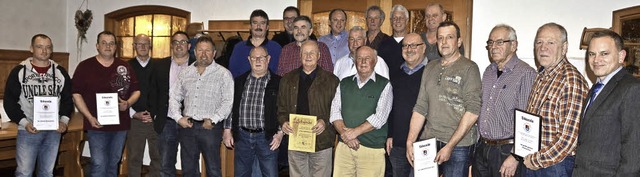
[{"x": 596, "y": 88}]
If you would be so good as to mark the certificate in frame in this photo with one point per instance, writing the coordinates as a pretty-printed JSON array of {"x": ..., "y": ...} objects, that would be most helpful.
[{"x": 528, "y": 131}]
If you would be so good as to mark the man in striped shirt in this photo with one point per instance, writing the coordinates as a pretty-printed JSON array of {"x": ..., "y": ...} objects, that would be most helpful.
[
  {"x": 506, "y": 84},
  {"x": 556, "y": 96}
]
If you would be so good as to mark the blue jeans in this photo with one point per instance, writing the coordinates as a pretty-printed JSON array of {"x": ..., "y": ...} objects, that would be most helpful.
[
  {"x": 168, "y": 149},
  {"x": 489, "y": 159},
  {"x": 42, "y": 146},
  {"x": 458, "y": 163},
  {"x": 399, "y": 162},
  {"x": 562, "y": 169},
  {"x": 196, "y": 140},
  {"x": 252, "y": 146},
  {"x": 106, "y": 151}
]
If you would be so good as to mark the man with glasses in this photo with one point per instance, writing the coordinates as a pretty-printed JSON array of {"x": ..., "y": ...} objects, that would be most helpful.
[
  {"x": 434, "y": 15},
  {"x": 406, "y": 83},
  {"x": 252, "y": 127},
  {"x": 105, "y": 73},
  {"x": 165, "y": 72},
  {"x": 141, "y": 121},
  {"x": 289, "y": 58},
  {"x": 345, "y": 66},
  {"x": 506, "y": 84},
  {"x": 259, "y": 29},
  {"x": 391, "y": 49},
  {"x": 285, "y": 37},
  {"x": 205, "y": 91},
  {"x": 336, "y": 40},
  {"x": 449, "y": 102},
  {"x": 375, "y": 18}
]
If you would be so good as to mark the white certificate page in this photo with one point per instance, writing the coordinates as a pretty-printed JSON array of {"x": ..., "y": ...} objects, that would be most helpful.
[
  {"x": 107, "y": 108},
  {"x": 424, "y": 154},
  {"x": 45, "y": 112}
]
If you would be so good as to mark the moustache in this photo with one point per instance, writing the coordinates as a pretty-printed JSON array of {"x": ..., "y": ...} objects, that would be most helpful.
[{"x": 258, "y": 29}]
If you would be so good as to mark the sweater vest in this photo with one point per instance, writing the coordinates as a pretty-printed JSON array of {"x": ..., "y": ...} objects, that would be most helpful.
[{"x": 360, "y": 103}]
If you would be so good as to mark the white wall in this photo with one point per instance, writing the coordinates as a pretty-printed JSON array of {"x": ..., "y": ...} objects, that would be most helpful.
[
  {"x": 22, "y": 19},
  {"x": 527, "y": 16},
  {"x": 201, "y": 11}
]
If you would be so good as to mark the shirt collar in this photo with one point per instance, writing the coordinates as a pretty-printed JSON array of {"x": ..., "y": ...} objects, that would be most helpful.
[
  {"x": 511, "y": 64},
  {"x": 408, "y": 70},
  {"x": 371, "y": 77},
  {"x": 266, "y": 76},
  {"x": 608, "y": 78},
  {"x": 311, "y": 75},
  {"x": 249, "y": 43},
  {"x": 342, "y": 35},
  {"x": 143, "y": 63}
]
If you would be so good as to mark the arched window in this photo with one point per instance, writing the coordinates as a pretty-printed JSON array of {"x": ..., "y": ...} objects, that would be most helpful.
[{"x": 159, "y": 22}]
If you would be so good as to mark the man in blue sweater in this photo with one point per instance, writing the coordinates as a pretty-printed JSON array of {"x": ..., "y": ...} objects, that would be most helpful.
[{"x": 238, "y": 63}]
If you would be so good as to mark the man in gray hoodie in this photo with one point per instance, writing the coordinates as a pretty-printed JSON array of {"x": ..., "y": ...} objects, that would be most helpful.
[{"x": 37, "y": 76}]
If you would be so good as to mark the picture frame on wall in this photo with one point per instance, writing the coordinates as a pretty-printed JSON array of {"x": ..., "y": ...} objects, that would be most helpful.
[{"x": 626, "y": 22}]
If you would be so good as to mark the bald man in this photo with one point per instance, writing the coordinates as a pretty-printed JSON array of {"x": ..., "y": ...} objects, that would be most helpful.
[{"x": 141, "y": 122}]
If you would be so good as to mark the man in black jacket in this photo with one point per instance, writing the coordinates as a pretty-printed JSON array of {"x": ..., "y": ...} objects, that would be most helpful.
[
  {"x": 165, "y": 72},
  {"x": 253, "y": 119},
  {"x": 141, "y": 123}
]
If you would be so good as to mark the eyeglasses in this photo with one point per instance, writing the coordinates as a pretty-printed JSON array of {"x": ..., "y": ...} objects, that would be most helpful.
[
  {"x": 110, "y": 44},
  {"x": 411, "y": 46},
  {"x": 141, "y": 44},
  {"x": 497, "y": 42},
  {"x": 398, "y": 19},
  {"x": 260, "y": 58},
  {"x": 182, "y": 42}
]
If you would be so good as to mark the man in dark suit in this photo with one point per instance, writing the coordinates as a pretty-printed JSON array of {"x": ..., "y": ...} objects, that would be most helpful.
[
  {"x": 166, "y": 71},
  {"x": 610, "y": 126}
]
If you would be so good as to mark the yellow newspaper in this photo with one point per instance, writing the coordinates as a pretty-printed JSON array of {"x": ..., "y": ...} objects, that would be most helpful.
[{"x": 302, "y": 138}]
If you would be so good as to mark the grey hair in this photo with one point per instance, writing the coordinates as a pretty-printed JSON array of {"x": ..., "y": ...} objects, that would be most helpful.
[
  {"x": 374, "y": 7},
  {"x": 563, "y": 31},
  {"x": 356, "y": 28},
  {"x": 400, "y": 8},
  {"x": 512, "y": 32}
]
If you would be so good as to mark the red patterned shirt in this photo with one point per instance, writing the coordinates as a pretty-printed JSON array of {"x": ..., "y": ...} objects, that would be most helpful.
[{"x": 557, "y": 96}]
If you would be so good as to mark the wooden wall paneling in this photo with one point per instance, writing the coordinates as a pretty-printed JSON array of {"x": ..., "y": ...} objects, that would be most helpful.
[{"x": 10, "y": 58}]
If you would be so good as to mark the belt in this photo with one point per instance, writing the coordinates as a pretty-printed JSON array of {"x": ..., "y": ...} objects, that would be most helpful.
[
  {"x": 257, "y": 130},
  {"x": 496, "y": 142}
]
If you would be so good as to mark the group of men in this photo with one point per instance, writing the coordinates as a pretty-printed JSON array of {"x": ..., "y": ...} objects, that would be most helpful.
[{"x": 375, "y": 94}]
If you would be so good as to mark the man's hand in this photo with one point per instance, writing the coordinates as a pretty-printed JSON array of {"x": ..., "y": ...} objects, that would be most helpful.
[
  {"x": 389, "y": 145},
  {"x": 410, "y": 152},
  {"x": 123, "y": 105},
  {"x": 528, "y": 163},
  {"x": 143, "y": 116},
  {"x": 444, "y": 154},
  {"x": 275, "y": 143},
  {"x": 227, "y": 138},
  {"x": 30, "y": 128},
  {"x": 349, "y": 134},
  {"x": 318, "y": 128},
  {"x": 184, "y": 122},
  {"x": 207, "y": 124},
  {"x": 62, "y": 127},
  {"x": 94, "y": 122},
  {"x": 286, "y": 128},
  {"x": 353, "y": 144},
  {"x": 509, "y": 166}
]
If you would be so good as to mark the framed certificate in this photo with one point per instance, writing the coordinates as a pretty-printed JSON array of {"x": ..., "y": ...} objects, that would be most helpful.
[
  {"x": 45, "y": 112},
  {"x": 303, "y": 138},
  {"x": 107, "y": 108},
  {"x": 527, "y": 133},
  {"x": 424, "y": 152}
]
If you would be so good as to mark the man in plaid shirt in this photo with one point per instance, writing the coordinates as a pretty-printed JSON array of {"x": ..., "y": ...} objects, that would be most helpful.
[{"x": 556, "y": 96}]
